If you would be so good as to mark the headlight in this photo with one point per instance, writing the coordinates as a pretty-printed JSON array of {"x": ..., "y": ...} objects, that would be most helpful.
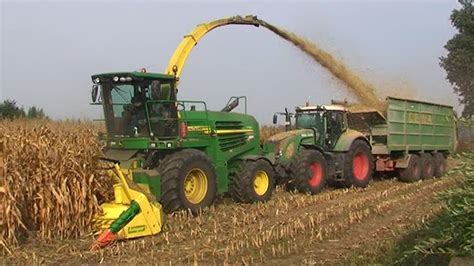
[
  {"x": 116, "y": 78},
  {"x": 123, "y": 79},
  {"x": 97, "y": 80}
]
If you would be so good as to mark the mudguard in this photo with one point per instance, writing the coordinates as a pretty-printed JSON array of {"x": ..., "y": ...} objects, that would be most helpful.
[{"x": 345, "y": 141}]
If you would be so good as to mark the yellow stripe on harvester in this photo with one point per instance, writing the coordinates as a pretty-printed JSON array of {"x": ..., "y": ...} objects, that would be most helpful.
[{"x": 233, "y": 131}]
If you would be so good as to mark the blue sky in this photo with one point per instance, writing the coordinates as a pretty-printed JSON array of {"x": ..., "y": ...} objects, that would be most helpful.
[{"x": 49, "y": 50}]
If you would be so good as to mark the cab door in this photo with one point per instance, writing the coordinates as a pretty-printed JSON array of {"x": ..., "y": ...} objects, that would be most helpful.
[{"x": 335, "y": 126}]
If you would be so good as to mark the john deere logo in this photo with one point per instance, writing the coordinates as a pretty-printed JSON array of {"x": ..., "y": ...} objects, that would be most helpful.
[{"x": 136, "y": 229}]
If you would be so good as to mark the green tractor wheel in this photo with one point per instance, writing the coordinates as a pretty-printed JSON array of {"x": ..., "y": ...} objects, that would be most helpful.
[
  {"x": 358, "y": 164},
  {"x": 254, "y": 181},
  {"x": 309, "y": 172},
  {"x": 188, "y": 181}
]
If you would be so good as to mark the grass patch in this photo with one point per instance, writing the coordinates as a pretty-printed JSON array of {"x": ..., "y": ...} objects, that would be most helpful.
[{"x": 447, "y": 235}]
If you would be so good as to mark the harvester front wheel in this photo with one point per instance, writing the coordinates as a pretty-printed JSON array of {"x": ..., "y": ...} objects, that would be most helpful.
[
  {"x": 254, "y": 181},
  {"x": 309, "y": 172},
  {"x": 359, "y": 164},
  {"x": 413, "y": 171},
  {"x": 188, "y": 181}
]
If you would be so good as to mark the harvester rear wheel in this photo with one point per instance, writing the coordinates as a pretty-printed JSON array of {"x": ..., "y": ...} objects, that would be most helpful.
[
  {"x": 413, "y": 171},
  {"x": 188, "y": 181},
  {"x": 309, "y": 172},
  {"x": 439, "y": 164},
  {"x": 359, "y": 164},
  {"x": 427, "y": 165},
  {"x": 254, "y": 181}
]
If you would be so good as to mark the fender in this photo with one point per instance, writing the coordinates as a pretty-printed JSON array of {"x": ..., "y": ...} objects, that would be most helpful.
[{"x": 345, "y": 141}]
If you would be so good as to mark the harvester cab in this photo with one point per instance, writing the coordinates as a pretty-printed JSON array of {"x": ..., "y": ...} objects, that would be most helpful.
[{"x": 132, "y": 100}]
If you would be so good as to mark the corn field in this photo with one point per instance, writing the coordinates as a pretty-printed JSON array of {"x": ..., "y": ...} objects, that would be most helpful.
[{"x": 49, "y": 185}]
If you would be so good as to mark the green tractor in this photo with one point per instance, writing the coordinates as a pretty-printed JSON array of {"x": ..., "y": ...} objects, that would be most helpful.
[
  {"x": 177, "y": 150},
  {"x": 320, "y": 149},
  {"x": 344, "y": 145}
]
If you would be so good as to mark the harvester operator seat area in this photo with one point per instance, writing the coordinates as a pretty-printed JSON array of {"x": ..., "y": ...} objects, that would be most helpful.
[
  {"x": 163, "y": 115},
  {"x": 134, "y": 114}
]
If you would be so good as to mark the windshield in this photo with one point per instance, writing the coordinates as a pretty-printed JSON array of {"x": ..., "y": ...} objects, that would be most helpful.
[
  {"x": 124, "y": 105},
  {"x": 309, "y": 119}
]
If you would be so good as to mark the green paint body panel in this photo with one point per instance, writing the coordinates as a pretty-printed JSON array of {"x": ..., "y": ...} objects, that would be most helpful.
[
  {"x": 152, "y": 180},
  {"x": 419, "y": 126}
]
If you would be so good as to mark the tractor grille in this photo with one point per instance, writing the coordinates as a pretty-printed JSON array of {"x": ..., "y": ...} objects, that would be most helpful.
[{"x": 227, "y": 138}]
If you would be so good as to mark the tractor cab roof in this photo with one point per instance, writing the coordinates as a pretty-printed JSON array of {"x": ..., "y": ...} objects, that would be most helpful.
[
  {"x": 331, "y": 107},
  {"x": 129, "y": 76}
]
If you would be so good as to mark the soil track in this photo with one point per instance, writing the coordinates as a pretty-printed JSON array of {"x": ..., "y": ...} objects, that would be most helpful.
[{"x": 290, "y": 228}]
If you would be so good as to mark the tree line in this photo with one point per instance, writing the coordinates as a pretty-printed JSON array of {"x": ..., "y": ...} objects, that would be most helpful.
[
  {"x": 459, "y": 62},
  {"x": 9, "y": 109}
]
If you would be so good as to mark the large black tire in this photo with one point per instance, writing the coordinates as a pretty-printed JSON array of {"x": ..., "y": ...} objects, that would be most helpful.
[
  {"x": 188, "y": 181},
  {"x": 427, "y": 166},
  {"x": 439, "y": 164},
  {"x": 253, "y": 181},
  {"x": 308, "y": 172},
  {"x": 413, "y": 171},
  {"x": 358, "y": 164}
]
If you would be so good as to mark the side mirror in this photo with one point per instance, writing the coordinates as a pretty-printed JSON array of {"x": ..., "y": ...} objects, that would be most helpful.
[
  {"x": 275, "y": 119},
  {"x": 96, "y": 93},
  {"x": 155, "y": 90}
]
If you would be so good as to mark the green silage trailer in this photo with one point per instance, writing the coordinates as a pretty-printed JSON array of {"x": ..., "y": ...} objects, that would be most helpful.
[{"x": 413, "y": 137}]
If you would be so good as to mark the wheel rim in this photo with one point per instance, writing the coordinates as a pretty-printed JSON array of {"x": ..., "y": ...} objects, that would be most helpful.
[
  {"x": 195, "y": 186},
  {"x": 261, "y": 183},
  {"x": 316, "y": 174},
  {"x": 360, "y": 166}
]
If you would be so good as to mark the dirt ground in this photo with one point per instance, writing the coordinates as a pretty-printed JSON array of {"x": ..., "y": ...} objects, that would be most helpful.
[{"x": 329, "y": 228}]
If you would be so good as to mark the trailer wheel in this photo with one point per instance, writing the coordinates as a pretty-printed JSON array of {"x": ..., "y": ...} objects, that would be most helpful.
[
  {"x": 427, "y": 165},
  {"x": 254, "y": 181},
  {"x": 188, "y": 181},
  {"x": 439, "y": 164},
  {"x": 413, "y": 171},
  {"x": 359, "y": 164},
  {"x": 309, "y": 172}
]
